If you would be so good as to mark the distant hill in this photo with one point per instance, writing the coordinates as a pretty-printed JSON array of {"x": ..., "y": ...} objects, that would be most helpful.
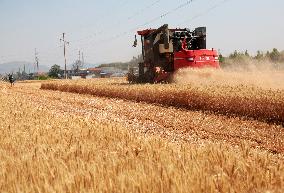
[{"x": 13, "y": 67}]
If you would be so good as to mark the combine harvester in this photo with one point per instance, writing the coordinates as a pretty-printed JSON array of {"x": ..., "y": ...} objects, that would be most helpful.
[{"x": 167, "y": 50}]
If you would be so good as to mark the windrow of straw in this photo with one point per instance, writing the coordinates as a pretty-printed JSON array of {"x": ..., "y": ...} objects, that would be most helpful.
[{"x": 241, "y": 100}]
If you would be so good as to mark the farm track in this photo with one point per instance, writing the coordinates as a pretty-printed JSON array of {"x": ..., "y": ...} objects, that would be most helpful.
[{"x": 168, "y": 122}]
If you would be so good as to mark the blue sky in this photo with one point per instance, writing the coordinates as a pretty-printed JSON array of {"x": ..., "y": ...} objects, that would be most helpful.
[{"x": 104, "y": 30}]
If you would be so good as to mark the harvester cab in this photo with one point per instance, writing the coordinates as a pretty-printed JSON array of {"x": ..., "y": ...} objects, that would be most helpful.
[{"x": 165, "y": 51}]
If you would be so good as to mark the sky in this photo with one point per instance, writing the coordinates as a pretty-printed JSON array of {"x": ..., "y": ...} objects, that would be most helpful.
[{"x": 104, "y": 30}]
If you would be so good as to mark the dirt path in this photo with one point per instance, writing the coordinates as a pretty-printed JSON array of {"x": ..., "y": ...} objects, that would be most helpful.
[{"x": 175, "y": 124}]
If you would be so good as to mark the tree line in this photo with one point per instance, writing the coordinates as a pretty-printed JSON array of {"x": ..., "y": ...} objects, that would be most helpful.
[
  {"x": 124, "y": 65},
  {"x": 274, "y": 58},
  {"x": 235, "y": 59}
]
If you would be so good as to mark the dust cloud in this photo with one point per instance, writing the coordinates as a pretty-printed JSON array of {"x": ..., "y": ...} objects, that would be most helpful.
[{"x": 262, "y": 74}]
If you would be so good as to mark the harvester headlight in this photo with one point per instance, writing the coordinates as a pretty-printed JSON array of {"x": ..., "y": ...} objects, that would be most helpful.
[
  {"x": 190, "y": 59},
  {"x": 216, "y": 58}
]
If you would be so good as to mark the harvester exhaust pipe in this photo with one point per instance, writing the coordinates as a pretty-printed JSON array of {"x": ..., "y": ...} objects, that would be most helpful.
[{"x": 166, "y": 37}]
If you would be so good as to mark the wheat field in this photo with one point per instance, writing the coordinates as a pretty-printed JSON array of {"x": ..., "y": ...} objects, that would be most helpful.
[{"x": 55, "y": 141}]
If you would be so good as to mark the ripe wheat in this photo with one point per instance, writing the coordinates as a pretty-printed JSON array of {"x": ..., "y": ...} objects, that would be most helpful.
[
  {"x": 241, "y": 100},
  {"x": 46, "y": 151}
]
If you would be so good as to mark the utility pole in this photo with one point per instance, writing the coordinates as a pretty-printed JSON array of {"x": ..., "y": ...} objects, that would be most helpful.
[
  {"x": 36, "y": 60},
  {"x": 64, "y": 45},
  {"x": 79, "y": 61},
  {"x": 82, "y": 59}
]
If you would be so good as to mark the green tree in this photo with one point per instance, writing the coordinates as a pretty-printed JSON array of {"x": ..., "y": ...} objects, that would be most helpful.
[
  {"x": 247, "y": 54},
  {"x": 55, "y": 71},
  {"x": 274, "y": 55},
  {"x": 42, "y": 77},
  {"x": 259, "y": 55},
  {"x": 221, "y": 59},
  {"x": 267, "y": 55},
  {"x": 282, "y": 56},
  {"x": 77, "y": 65},
  {"x": 234, "y": 55}
]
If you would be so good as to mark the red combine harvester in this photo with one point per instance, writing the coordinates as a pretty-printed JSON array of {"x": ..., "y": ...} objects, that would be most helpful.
[{"x": 167, "y": 50}]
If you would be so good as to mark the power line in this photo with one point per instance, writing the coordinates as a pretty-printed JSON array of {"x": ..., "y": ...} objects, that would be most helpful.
[
  {"x": 121, "y": 4},
  {"x": 164, "y": 15},
  {"x": 188, "y": 2},
  {"x": 116, "y": 36},
  {"x": 129, "y": 18},
  {"x": 205, "y": 12},
  {"x": 139, "y": 12},
  {"x": 124, "y": 3}
]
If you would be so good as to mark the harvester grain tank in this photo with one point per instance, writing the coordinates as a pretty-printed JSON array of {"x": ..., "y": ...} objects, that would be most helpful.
[{"x": 165, "y": 51}]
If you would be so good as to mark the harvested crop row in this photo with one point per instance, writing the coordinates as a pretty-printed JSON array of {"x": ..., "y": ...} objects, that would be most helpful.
[{"x": 257, "y": 103}]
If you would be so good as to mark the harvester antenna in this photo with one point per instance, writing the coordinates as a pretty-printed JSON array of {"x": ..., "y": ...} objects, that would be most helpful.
[{"x": 64, "y": 45}]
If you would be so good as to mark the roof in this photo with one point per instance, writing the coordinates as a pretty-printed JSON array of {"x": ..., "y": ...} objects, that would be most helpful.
[{"x": 95, "y": 69}]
